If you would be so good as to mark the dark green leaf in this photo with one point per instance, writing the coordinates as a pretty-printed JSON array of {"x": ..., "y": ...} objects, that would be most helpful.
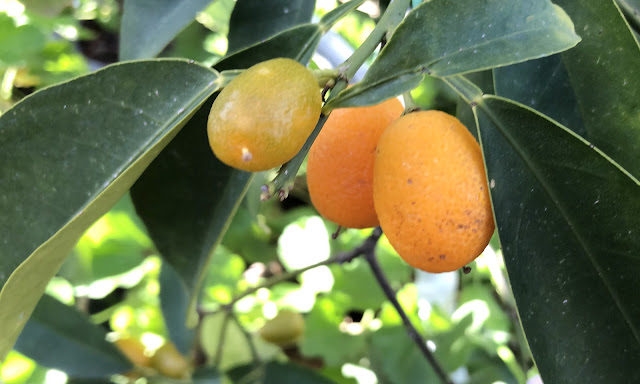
[
  {"x": 568, "y": 219},
  {"x": 149, "y": 25},
  {"x": 297, "y": 43},
  {"x": 605, "y": 74},
  {"x": 186, "y": 198},
  {"x": 174, "y": 302},
  {"x": 448, "y": 37},
  {"x": 58, "y": 336},
  {"x": 255, "y": 20},
  {"x": 397, "y": 360},
  {"x": 70, "y": 152},
  {"x": 276, "y": 373},
  {"x": 543, "y": 85}
]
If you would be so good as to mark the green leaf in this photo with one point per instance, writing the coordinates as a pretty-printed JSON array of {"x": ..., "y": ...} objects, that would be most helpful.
[
  {"x": 356, "y": 280},
  {"x": 297, "y": 43},
  {"x": 69, "y": 153},
  {"x": 113, "y": 245},
  {"x": 448, "y": 37},
  {"x": 254, "y": 20},
  {"x": 605, "y": 74},
  {"x": 187, "y": 196},
  {"x": 543, "y": 85},
  {"x": 18, "y": 43},
  {"x": 149, "y": 25},
  {"x": 568, "y": 219},
  {"x": 276, "y": 373},
  {"x": 186, "y": 199},
  {"x": 323, "y": 333},
  {"x": 396, "y": 359},
  {"x": 58, "y": 336},
  {"x": 174, "y": 302}
]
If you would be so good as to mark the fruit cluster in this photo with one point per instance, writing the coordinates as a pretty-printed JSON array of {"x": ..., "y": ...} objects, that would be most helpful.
[{"x": 419, "y": 176}]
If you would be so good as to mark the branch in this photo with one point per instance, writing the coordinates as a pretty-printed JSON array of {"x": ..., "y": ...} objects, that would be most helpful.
[
  {"x": 370, "y": 256},
  {"x": 283, "y": 182},
  {"x": 343, "y": 257}
]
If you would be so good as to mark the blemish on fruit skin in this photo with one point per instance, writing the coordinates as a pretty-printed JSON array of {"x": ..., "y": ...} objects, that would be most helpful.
[
  {"x": 246, "y": 154},
  {"x": 442, "y": 257},
  {"x": 410, "y": 181}
]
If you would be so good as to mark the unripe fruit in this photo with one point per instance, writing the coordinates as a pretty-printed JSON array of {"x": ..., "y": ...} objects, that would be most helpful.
[
  {"x": 430, "y": 191},
  {"x": 261, "y": 119},
  {"x": 340, "y": 165},
  {"x": 284, "y": 329},
  {"x": 169, "y": 362},
  {"x": 134, "y": 350}
]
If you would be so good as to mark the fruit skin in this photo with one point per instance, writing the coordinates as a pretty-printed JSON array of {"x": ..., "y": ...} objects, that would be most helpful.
[
  {"x": 430, "y": 191},
  {"x": 133, "y": 349},
  {"x": 340, "y": 165},
  {"x": 169, "y": 362},
  {"x": 261, "y": 119},
  {"x": 284, "y": 329}
]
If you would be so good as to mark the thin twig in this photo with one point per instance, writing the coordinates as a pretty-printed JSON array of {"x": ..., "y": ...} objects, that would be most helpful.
[
  {"x": 340, "y": 258},
  {"x": 223, "y": 333},
  {"x": 370, "y": 256}
]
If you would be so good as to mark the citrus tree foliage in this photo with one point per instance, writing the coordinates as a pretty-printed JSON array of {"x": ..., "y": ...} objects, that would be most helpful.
[{"x": 117, "y": 220}]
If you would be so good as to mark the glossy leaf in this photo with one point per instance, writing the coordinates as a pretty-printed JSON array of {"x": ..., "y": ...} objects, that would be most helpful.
[
  {"x": 255, "y": 20},
  {"x": 448, "y": 37},
  {"x": 568, "y": 219},
  {"x": 297, "y": 43},
  {"x": 69, "y": 153},
  {"x": 186, "y": 198},
  {"x": 58, "y": 336},
  {"x": 605, "y": 74},
  {"x": 543, "y": 85},
  {"x": 149, "y": 25}
]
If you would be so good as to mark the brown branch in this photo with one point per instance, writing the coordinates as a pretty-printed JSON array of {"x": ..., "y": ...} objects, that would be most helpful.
[{"x": 370, "y": 256}]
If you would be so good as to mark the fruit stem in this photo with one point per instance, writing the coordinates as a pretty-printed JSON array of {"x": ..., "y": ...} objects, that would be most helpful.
[
  {"x": 409, "y": 104},
  {"x": 324, "y": 76},
  {"x": 371, "y": 258},
  {"x": 390, "y": 19},
  {"x": 392, "y": 16}
]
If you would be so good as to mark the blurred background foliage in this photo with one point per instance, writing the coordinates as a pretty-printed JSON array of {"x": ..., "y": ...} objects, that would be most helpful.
[{"x": 352, "y": 333}]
